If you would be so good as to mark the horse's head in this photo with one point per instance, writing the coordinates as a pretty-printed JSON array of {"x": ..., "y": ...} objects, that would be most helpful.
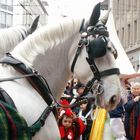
[{"x": 94, "y": 62}]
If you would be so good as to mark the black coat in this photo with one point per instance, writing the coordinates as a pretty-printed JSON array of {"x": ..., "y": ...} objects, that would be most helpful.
[
  {"x": 129, "y": 106},
  {"x": 118, "y": 112}
]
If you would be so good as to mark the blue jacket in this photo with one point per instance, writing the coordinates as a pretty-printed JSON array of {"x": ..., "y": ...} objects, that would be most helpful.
[{"x": 118, "y": 112}]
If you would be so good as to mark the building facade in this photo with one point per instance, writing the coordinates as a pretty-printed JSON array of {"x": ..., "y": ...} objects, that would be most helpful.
[
  {"x": 15, "y": 12},
  {"x": 127, "y": 21},
  {"x": 6, "y": 13}
]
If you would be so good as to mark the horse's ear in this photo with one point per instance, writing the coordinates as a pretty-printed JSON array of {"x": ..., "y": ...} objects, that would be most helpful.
[
  {"x": 33, "y": 26},
  {"x": 82, "y": 28},
  {"x": 105, "y": 18},
  {"x": 95, "y": 15}
]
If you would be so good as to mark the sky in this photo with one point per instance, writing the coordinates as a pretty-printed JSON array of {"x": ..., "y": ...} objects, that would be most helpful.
[{"x": 72, "y": 7}]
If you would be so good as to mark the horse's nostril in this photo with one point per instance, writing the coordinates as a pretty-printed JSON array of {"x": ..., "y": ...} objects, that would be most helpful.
[{"x": 113, "y": 99}]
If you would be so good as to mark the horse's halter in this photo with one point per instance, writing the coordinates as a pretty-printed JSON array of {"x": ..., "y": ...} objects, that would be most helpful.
[{"x": 100, "y": 44}]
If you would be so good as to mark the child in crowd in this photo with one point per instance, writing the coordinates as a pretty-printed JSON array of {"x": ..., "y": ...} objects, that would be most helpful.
[
  {"x": 85, "y": 113},
  {"x": 77, "y": 91},
  {"x": 70, "y": 126}
]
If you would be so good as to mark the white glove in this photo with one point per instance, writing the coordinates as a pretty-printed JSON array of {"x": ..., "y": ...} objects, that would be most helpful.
[
  {"x": 136, "y": 99},
  {"x": 117, "y": 128}
]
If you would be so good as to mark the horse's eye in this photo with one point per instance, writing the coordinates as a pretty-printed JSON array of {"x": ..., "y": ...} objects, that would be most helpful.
[
  {"x": 90, "y": 28},
  {"x": 109, "y": 48}
]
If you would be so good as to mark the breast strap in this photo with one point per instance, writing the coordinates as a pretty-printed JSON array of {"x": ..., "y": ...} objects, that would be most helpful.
[{"x": 36, "y": 80}]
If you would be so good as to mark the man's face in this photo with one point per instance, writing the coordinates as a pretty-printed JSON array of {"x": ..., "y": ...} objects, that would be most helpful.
[{"x": 136, "y": 90}]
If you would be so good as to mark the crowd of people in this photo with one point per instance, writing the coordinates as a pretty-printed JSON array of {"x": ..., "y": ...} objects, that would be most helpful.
[{"x": 75, "y": 123}]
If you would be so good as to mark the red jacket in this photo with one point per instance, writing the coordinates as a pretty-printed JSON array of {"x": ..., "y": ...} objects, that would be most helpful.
[{"x": 69, "y": 134}]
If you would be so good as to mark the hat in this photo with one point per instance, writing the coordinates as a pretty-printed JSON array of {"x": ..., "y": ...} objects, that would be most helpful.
[
  {"x": 136, "y": 84},
  {"x": 68, "y": 112},
  {"x": 64, "y": 102}
]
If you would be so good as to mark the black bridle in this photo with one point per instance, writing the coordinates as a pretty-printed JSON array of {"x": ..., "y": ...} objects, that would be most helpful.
[{"x": 96, "y": 80}]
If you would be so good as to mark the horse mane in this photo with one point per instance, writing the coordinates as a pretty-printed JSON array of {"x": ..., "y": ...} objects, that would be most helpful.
[
  {"x": 45, "y": 38},
  {"x": 10, "y": 37}
]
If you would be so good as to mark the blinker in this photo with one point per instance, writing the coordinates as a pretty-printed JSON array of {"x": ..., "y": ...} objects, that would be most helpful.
[{"x": 97, "y": 48}]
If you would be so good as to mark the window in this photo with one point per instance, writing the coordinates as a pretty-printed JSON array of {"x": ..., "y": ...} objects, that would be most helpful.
[
  {"x": 3, "y": 6},
  {"x": 128, "y": 34},
  {"x": 3, "y": 1},
  {"x": 8, "y": 20},
  {"x": 135, "y": 31},
  {"x": 45, "y": 3},
  {"x": 9, "y": 8},
  {"x": 128, "y": 5},
  {"x": 7, "y": 5},
  {"x": 2, "y": 20},
  {"x": 2, "y": 17},
  {"x": 138, "y": 66},
  {"x": 5, "y": 19},
  {"x": 10, "y": 5},
  {"x": 122, "y": 7},
  {"x": 135, "y": 5},
  {"x": 10, "y": 2},
  {"x": 118, "y": 9},
  {"x": 123, "y": 37},
  {"x": 118, "y": 32}
]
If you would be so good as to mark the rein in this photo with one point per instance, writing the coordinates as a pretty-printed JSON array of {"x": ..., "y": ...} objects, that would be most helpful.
[
  {"x": 19, "y": 66},
  {"x": 17, "y": 77}
]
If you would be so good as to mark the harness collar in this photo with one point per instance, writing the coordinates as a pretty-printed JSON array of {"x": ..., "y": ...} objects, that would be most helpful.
[
  {"x": 33, "y": 77},
  {"x": 38, "y": 82}
]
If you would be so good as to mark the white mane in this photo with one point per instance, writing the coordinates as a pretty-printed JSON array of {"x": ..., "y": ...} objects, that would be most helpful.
[
  {"x": 10, "y": 37},
  {"x": 46, "y": 38}
]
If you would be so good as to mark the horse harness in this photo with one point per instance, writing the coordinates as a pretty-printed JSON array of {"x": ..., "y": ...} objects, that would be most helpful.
[
  {"x": 40, "y": 84},
  {"x": 37, "y": 81},
  {"x": 101, "y": 40}
]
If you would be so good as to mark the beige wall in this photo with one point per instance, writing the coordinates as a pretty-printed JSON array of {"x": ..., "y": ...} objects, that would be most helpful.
[{"x": 127, "y": 21}]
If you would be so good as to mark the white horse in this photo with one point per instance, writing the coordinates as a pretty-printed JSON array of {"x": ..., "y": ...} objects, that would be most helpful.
[
  {"x": 55, "y": 41},
  {"x": 10, "y": 37}
]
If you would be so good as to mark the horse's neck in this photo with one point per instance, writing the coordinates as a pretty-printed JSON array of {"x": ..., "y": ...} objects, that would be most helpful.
[
  {"x": 57, "y": 69},
  {"x": 55, "y": 41}
]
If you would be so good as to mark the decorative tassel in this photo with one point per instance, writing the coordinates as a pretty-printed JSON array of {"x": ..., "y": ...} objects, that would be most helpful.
[{"x": 98, "y": 124}]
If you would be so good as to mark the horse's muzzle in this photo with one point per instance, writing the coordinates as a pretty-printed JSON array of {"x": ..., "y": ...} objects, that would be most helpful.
[{"x": 114, "y": 100}]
